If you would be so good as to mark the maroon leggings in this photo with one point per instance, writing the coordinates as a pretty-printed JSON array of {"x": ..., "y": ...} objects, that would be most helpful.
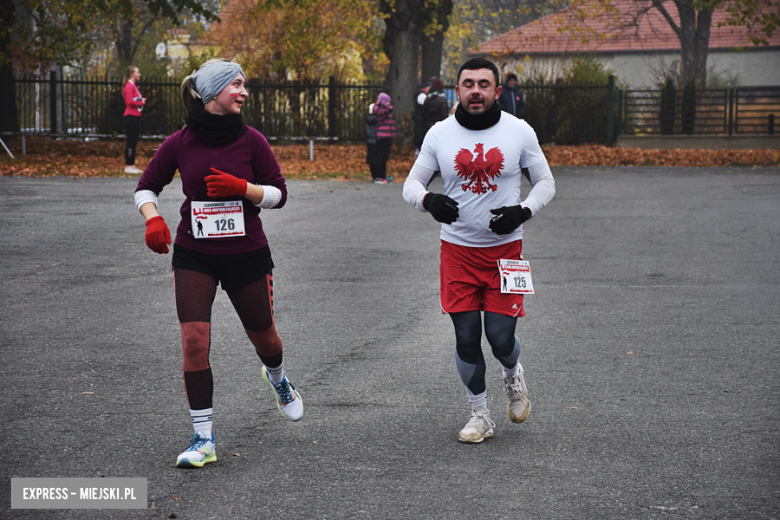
[{"x": 253, "y": 302}]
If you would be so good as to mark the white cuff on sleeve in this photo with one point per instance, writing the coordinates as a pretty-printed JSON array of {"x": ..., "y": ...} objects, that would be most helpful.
[
  {"x": 271, "y": 197},
  {"x": 416, "y": 186},
  {"x": 144, "y": 196}
]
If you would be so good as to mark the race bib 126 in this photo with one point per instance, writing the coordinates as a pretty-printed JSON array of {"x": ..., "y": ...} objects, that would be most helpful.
[{"x": 217, "y": 219}]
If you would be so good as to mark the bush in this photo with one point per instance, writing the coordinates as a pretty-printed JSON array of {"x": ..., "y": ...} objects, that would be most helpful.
[
  {"x": 571, "y": 108},
  {"x": 668, "y": 107},
  {"x": 688, "y": 109}
]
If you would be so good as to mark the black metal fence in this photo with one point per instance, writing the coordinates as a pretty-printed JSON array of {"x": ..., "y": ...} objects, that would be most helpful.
[
  {"x": 559, "y": 113},
  {"x": 743, "y": 110},
  {"x": 570, "y": 114},
  {"x": 94, "y": 107}
]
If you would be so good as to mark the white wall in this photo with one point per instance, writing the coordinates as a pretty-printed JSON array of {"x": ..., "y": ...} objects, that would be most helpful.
[{"x": 753, "y": 66}]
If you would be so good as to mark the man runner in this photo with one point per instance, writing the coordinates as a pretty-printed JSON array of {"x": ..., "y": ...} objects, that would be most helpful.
[{"x": 482, "y": 154}]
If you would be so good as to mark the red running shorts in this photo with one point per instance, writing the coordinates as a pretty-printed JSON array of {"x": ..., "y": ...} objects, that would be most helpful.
[{"x": 470, "y": 280}]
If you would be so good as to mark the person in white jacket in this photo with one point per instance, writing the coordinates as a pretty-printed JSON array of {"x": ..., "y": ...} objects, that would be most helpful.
[{"x": 482, "y": 154}]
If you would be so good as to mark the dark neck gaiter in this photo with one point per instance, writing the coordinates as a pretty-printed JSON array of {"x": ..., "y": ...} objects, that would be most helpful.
[
  {"x": 485, "y": 120},
  {"x": 213, "y": 128}
]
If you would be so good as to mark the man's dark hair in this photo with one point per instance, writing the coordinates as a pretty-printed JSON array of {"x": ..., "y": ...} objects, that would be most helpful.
[
  {"x": 511, "y": 76},
  {"x": 479, "y": 63}
]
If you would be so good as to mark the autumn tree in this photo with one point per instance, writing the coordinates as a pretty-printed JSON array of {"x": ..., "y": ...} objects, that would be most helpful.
[
  {"x": 432, "y": 41},
  {"x": 693, "y": 31},
  {"x": 302, "y": 40},
  {"x": 9, "y": 120},
  {"x": 473, "y": 22},
  {"x": 412, "y": 25},
  {"x": 694, "y": 22},
  {"x": 761, "y": 18},
  {"x": 39, "y": 33}
]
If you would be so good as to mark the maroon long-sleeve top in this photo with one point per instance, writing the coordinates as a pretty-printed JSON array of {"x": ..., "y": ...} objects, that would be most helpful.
[{"x": 249, "y": 157}]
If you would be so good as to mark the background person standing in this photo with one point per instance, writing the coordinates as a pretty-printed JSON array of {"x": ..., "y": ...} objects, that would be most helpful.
[
  {"x": 511, "y": 99},
  {"x": 134, "y": 104},
  {"x": 419, "y": 117},
  {"x": 370, "y": 130},
  {"x": 384, "y": 137},
  {"x": 435, "y": 107}
]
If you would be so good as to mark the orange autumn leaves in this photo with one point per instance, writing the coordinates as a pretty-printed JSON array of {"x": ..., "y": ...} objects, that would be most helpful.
[{"x": 47, "y": 157}]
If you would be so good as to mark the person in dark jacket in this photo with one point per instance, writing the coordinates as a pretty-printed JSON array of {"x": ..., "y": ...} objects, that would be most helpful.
[
  {"x": 436, "y": 107},
  {"x": 511, "y": 99},
  {"x": 419, "y": 117},
  {"x": 371, "y": 126}
]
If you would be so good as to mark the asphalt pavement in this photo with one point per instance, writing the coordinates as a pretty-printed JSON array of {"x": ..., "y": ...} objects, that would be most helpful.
[{"x": 650, "y": 349}]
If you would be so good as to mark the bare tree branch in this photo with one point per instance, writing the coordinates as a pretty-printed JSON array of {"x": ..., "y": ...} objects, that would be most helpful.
[{"x": 658, "y": 4}]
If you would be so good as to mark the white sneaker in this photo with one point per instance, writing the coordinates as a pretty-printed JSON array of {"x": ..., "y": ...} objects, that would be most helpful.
[
  {"x": 288, "y": 400},
  {"x": 479, "y": 427},
  {"x": 201, "y": 451},
  {"x": 518, "y": 405},
  {"x": 132, "y": 169}
]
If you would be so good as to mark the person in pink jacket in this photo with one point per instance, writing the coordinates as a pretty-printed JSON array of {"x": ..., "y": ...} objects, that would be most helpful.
[
  {"x": 384, "y": 138},
  {"x": 134, "y": 104}
]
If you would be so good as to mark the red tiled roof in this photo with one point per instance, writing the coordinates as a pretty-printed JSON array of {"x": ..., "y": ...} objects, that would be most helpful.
[{"x": 612, "y": 31}]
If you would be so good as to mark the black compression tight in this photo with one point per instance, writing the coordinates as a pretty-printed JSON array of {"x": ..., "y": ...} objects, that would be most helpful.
[
  {"x": 500, "y": 333},
  {"x": 253, "y": 302},
  {"x": 132, "y": 124}
]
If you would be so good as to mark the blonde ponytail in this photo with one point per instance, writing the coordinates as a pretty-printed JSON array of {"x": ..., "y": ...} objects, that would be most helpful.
[
  {"x": 128, "y": 73},
  {"x": 188, "y": 92}
]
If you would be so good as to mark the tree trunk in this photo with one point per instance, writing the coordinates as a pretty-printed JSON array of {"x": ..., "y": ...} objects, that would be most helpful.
[
  {"x": 431, "y": 55},
  {"x": 9, "y": 122},
  {"x": 124, "y": 42},
  {"x": 401, "y": 43},
  {"x": 694, "y": 36},
  {"x": 432, "y": 47},
  {"x": 401, "y": 82}
]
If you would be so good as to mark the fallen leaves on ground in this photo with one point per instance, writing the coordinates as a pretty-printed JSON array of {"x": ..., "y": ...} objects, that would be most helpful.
[
  {"x": 75, "y": 158},
  {"x": 599, "y": 155}
]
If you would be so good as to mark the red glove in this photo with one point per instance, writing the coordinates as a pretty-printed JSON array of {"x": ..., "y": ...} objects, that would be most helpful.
[
  {"x": 225, "y": 185},
  {"x": 158, "y": 236}
]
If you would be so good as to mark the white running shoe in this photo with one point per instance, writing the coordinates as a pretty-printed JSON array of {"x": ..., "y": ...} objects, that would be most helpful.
[
  {"x": 132, "y": 169},
  {"x": 479, "y": 427},
  {"x": 288, "y": 400},
  {"x": 201, "y": 451},
  {"x": 518, "y": 405}
]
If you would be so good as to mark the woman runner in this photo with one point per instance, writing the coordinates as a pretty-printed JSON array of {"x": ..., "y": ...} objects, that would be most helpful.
[{"x": 228, "y": 173}]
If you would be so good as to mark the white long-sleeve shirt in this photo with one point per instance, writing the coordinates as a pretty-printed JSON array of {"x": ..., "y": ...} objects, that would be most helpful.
[{"x": 481, "y": 170}]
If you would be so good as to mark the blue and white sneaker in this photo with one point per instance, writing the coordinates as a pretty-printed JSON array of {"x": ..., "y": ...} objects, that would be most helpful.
[
  {"x": 201, "y": 451},
  {"x": 288, "y": 400}
]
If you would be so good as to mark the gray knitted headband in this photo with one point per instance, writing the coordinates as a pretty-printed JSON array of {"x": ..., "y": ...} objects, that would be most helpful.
[{"x": 210, "y": 80}]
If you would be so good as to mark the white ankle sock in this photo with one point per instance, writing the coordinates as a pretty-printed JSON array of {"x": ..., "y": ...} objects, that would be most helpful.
[
  {"x": 479, "y": 400},
  {"x": 201, "y": 419},
  {"x": 275, "y": 374},
  {"x": 508, "y": 372}
]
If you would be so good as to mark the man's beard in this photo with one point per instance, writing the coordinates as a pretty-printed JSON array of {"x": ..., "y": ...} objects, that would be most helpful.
[{"x": 486, "y": 103}]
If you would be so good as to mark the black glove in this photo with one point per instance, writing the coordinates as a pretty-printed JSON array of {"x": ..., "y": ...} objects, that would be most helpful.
[
  {"x": 508, "y": 218},
  {"x": 442, "y": 208}
]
